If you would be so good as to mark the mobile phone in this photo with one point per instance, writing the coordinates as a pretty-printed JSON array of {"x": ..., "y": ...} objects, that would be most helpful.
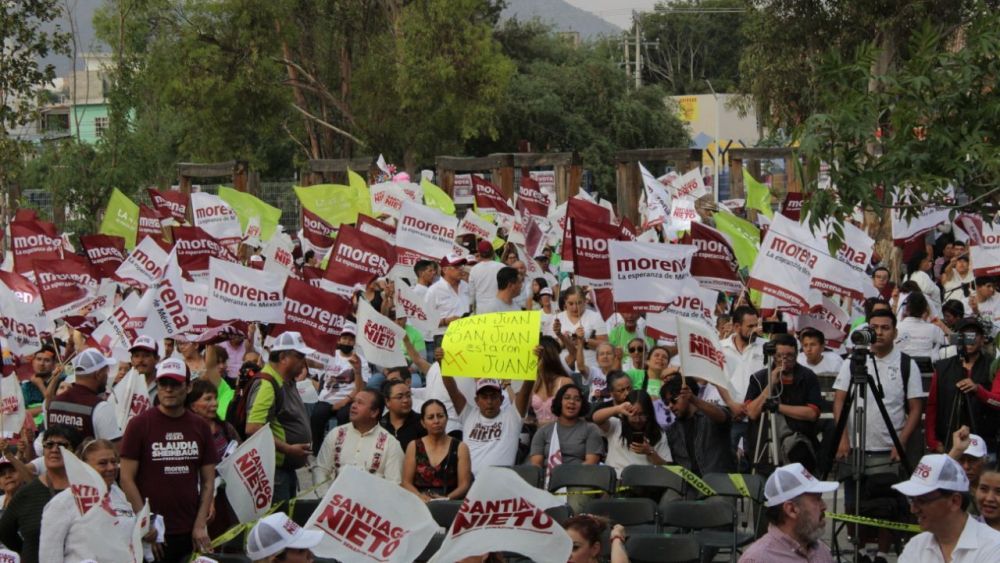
[{"x": 638, "y": 437}]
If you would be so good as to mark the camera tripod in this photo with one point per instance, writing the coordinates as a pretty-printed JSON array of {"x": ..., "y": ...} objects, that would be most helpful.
[
  {"x": 768, "y": 423},
  {"x": 857, "y": 397}
]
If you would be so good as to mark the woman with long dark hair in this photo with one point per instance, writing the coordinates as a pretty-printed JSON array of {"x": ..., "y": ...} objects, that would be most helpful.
[
  {"x": 552, "y": 375},
  {"x": 634, "y": 437},
  {"x": 918, "y": 269}
]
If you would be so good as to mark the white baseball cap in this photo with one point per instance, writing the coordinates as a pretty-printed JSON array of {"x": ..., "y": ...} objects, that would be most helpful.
[
  {"x": 349, "y": 328},
  {"x": 145, "y": 343},
  {"x": 277, "y": 532},
  {"x": 487, "y": 384},
  {"x": 977, "y": 447},
  {"x": 291, "y": 340},
  {"x": 173, "y": 368},
  {"x": 792, "y": 480},
  {"x": 935, "y": 471},
  {"x": 91, "y": 361}
]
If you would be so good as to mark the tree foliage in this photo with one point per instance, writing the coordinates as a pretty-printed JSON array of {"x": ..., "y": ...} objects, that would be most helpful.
[
  {"x": 703, "y": 44},
  {"x": 931, "y": 122}
]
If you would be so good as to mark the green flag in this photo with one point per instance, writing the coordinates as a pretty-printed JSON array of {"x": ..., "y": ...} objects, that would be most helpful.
[
  {"x": 742, "y": 233},
  {"x": 362, "y": 195},
  {"x": 247, "y": 206},
  {"x": 436, "y": 198},
  {"x": 334, "y": 203},
  {"x": 121, "y": 218},
  {"x": 758, "y": 195}
]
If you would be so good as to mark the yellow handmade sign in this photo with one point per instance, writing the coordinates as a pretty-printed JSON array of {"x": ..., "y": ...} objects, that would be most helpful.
[{"x": 494, "y": 345}]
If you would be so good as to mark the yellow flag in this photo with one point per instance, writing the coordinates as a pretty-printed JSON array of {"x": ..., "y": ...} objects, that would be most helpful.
[
  {"x": 362, "y": 197},
  {"x": 436, "y": 198}
]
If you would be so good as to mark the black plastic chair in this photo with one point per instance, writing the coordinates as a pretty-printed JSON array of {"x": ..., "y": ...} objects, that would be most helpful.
[
  {"x": 444, "y": 511},
  {"x": 643, "y": 480},
  {"x": 600, "y": 477},
  {"x": 751, "y": 509},
  {"x": 303, "y": 509},
  {"x": 532, "y": 474},
  {"x": 560, "y": 513},
  {"x": 711, "y": 521},
  {"x": 652, "y": 548},
  {"x": 432, "y": 547},
  {"x": 638, "y": 515}
]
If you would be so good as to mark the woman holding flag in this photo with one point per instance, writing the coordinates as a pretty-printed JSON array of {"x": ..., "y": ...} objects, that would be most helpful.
[{"x": 69, "y": 535}]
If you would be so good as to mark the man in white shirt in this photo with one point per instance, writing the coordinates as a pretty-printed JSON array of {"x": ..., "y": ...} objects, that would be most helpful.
[
  {"x": 345, "y": 375},
  {"x": 449, "y": 295},
  {"x": 483, "y": 276},
  {"x": 984, "y": 302},
  {"x": 425, "y": 271},
  {"x": 938, "y": 492},
  {"x": 509, "y": 283},
  {"x": 814, "y": 356},
  {"x": 363, "y": 443},
  {"x": 490, "y": 428},
  {"x": 744, "y": 357},
  {"x": 902, "y": 395}
]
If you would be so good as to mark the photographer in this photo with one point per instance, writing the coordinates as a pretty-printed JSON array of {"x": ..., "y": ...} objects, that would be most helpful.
[
  {"x": 965, "y": 378},
  {"x": 790, "y": 392},
  {"x": 898, "y": 379}
]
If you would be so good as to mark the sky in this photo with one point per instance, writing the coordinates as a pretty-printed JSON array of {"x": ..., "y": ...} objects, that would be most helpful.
[{"x": 618, "y": 12}]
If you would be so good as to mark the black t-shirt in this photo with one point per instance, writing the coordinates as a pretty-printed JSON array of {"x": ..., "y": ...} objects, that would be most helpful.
[
  {"x": 802, "y": 390},
  {"x": 409, "y": 431}
]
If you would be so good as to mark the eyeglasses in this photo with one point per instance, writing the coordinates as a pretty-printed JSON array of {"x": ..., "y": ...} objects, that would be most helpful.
[
  {"x": 634, "y": 349},
  {"x": 923, "y": 500},
  {"x": 53, "y": 444}
]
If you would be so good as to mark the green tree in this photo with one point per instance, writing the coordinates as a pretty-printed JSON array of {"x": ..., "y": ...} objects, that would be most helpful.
[
  {"x": 565, "y": 98},
  {"x": 696, "y": 40},
  {"x": 931, "y": 122},
  {"x": 25, "y": 38}
]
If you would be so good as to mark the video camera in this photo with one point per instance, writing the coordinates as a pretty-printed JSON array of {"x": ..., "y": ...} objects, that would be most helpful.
[
  {"x": 772, "y": 328},
  {"x": 863, "y": 337},
  {"x": 962, "y": 338}
]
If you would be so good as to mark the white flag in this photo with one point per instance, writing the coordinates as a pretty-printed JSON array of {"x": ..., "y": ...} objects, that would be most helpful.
[
  {"x": 701, "y": 353},
  {"x": 785, "y": 263},
  {"x": 240, "y": 293},
  {"x": 131, "y": 397},
  {"x": 423, "y": 232},
  {"x": 277, "y": 255},
  {"x": 380, "y": 338},
  {"x": 646, "y": 276},
  {"x": 249, "y": 475},
  {"x": 217, "y": 218},
  {"x": 657, "y": 199},
  {"x": 168, "y": 315},
  {"x": 86, "y": 484},
  {"x": 251, "y": 236},
  {"x": 475, "y": 225},
  {"x": 22, "y": 321},
  {"x": 144, "y": 265},
  {"x": 418, "y": 313},
  {"x": 11, "y": 406},
  {"x": 364, "y": 519},
  {"x": 504, "y": 513},
  {"x": 691, "y": 184}
]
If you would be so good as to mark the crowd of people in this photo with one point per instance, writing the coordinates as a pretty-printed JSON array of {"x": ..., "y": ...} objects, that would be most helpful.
[{"x": 607, "y": 391}]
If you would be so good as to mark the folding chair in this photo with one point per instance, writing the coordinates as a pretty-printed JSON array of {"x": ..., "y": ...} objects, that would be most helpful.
[
  {"x": 444, "y": 511},
  {"x": 560, "y": 513},
  {"x": 431, "y": 549},
  {"x": 647, "y": 548},
  {"x": 750, "y": 508},
  {"x": 638, "y": 515},
  {"x": 651, "y": 481},
  {"x": 601, "y": 477},
  {"x": 711, "y": 522},
  {"x": 532, "y": 474}
]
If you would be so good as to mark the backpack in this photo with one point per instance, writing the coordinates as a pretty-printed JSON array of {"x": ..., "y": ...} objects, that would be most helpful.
[{"x": 239, "y": 407}]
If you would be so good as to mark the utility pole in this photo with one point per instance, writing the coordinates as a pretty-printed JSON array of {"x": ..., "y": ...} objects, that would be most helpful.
[
  {"x": 638, "y": 53},
  {"x": 628, "y": 67}
]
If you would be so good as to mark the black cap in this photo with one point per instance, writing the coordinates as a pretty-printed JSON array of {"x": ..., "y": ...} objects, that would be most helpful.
[{"x": 970, "y": 323}]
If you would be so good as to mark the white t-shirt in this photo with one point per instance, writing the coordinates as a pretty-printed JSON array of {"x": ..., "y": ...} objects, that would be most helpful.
[
  {"x": 491, "y": 441},
  {"x": 740, "y": 366},
  {"x": 337, "y": 381},
  {"x": 447, "y": 302},
  {"x": 978, "y": 543},
  {"x": 889, "y": 373},
  {"x": 596, "y": 379},
  {"x": 495, "y": 305},
  {"x": 593, "y": 325},
  {"x": 620, "y": 456},
  {"x": 483, "y": 281},
  {"x": 106, "y": 422},
  {"x": 919, "y": 338},
  {"x": 829, "y": 363},
  {"x": 989, "y": 309},
  {"x": 953, "y": 288}
]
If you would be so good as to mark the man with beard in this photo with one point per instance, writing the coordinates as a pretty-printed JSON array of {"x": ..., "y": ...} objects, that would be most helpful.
[
  {"x": 795, "y": 518},
  {"x": 938, "y": 492}
]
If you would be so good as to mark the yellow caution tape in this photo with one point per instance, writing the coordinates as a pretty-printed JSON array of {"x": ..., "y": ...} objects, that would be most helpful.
[
  {"x": 875, "y": 522},
  {"x": 590, "y": 492},
  {"x": 236, "y": 530},
  {"x": 692, "y": 479},
  {"x": 740, "y": 484}
]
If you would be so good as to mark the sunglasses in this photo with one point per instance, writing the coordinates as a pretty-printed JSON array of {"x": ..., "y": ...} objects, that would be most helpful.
[
  {"x": 634, "y": 349},
  {"x": 53, "y": 444}
]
